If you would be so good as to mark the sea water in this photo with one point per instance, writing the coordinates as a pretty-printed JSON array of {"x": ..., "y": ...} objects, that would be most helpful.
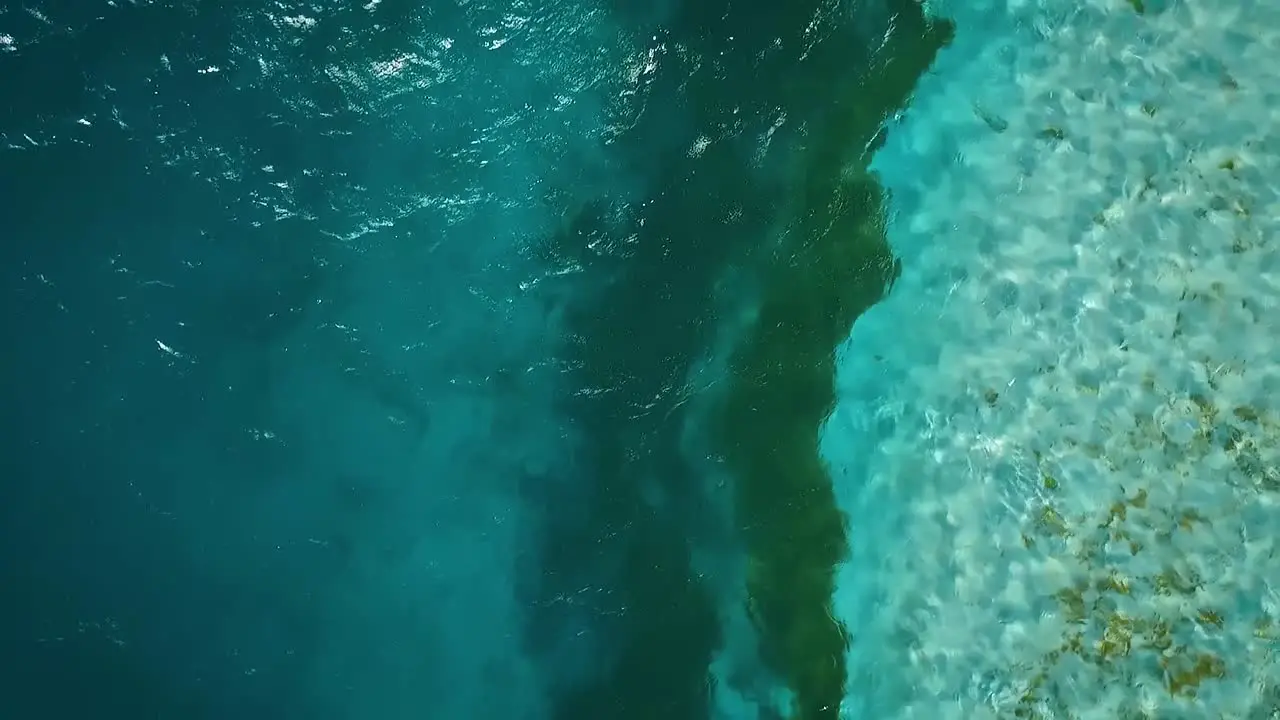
[
  {"x": 370, "y": 360},
  {"x": 349, "y": 351},
  {"x": 284, "y": 352},
  {"x": 1060, "y": 418}
]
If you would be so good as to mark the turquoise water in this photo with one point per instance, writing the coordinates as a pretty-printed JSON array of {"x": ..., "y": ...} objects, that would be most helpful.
[
  {"x": 566, "y": 360},
  {"x": 1076, "y": 436}
]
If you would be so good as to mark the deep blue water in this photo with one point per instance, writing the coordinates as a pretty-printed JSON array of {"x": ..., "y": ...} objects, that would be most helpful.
[{"x": 345, "y": 347}]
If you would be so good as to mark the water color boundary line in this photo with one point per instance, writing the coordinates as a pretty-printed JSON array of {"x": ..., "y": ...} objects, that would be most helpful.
[
  {"x": 642, "y": 341},
  {"x": 831, "y": 262}
]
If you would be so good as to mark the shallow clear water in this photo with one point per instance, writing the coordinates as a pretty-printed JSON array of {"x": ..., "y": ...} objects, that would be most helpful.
[
  {"x": 564, "y": 360},
  {"x": 1075, "y": 435}
]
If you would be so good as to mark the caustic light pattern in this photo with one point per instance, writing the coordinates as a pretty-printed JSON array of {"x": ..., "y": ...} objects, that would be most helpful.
[{"x": 1060, "y": 429}]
